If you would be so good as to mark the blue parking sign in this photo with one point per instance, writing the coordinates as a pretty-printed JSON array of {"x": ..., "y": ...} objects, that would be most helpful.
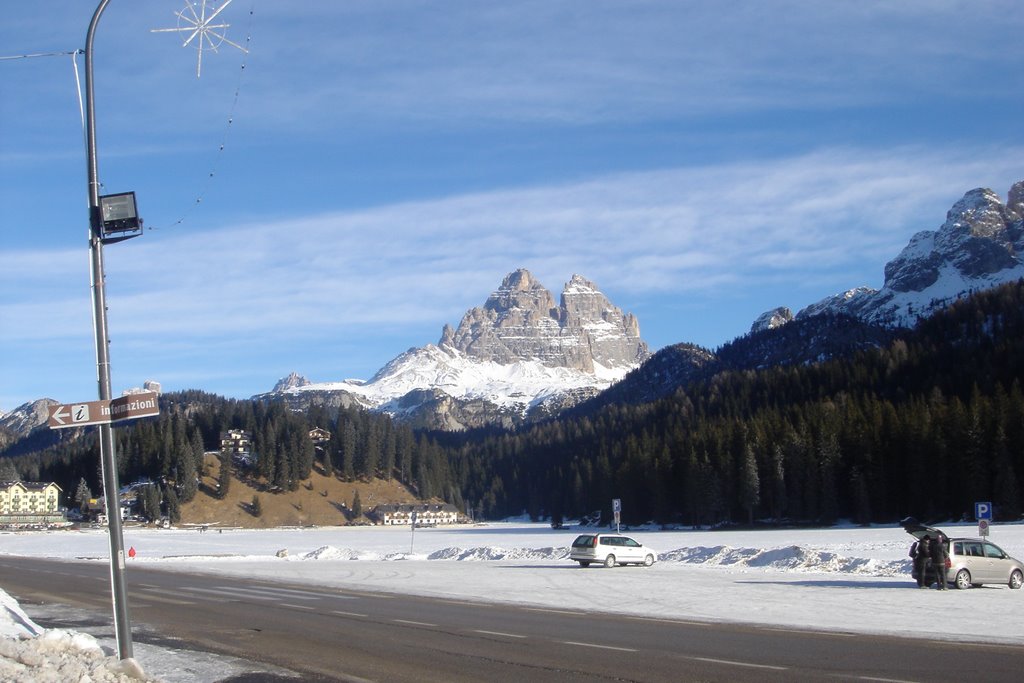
[{"x": 983, "y": 511}]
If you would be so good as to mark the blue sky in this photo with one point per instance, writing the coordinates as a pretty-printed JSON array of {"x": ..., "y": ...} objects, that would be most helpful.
[{"x": 386, "y": 163}]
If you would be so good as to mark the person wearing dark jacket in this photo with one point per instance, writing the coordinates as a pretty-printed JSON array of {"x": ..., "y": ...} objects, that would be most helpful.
[
  {"x": 922, "y": 560},
  {"x": 939, "y": 555}
]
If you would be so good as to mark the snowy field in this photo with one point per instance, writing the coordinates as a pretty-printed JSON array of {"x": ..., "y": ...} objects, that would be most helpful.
[{"x": 843, "y": 579}]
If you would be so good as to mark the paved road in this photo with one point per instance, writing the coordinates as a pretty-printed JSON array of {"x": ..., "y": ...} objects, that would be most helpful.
[{"x": 344, "y": 635}]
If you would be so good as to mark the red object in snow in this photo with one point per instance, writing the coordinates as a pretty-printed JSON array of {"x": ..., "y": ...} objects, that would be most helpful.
[{"x": 131, "y": 551}]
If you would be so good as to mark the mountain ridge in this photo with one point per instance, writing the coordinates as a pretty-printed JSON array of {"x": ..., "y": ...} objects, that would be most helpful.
[
  {"x": 518, "y": 357},
  {"x": 980, "y": 245}
]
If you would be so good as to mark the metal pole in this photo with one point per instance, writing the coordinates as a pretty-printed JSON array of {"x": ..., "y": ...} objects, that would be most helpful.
[{"x": 108, "y": 459}]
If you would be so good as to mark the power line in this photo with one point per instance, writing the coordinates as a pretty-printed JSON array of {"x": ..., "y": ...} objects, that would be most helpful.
[{"x": 43, "y": 54}]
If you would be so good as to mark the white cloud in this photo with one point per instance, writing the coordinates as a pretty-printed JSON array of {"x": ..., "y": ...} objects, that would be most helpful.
[{"x": 678, "y": 230}]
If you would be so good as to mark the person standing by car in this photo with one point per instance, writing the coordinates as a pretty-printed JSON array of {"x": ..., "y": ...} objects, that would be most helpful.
[
  {"x": 923, "y": 560},
  {"x": 939, "y": 556}
]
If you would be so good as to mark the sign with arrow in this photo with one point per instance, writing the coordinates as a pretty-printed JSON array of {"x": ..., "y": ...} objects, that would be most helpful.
[{"x": 128, "y": 407}]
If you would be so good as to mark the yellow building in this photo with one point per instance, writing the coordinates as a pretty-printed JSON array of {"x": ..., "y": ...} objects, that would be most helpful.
[{"x": 29, "y": 502}]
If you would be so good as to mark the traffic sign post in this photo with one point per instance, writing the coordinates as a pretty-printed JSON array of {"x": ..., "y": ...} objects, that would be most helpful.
[
  {"x": 983, "y": 527},
  {"x": 983, "y": 511},
  {"x": 617, "y": 512}
]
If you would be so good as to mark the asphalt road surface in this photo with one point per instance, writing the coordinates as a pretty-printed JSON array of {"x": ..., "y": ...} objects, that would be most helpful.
[{"x": 328, "y": 634}]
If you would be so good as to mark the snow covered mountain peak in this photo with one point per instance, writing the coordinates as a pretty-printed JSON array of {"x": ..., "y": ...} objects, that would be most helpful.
[
  {"x": 980, "y": 245},
  {"x": 519, "y": 354}
]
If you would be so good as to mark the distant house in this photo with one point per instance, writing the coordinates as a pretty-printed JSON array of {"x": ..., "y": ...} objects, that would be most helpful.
[
  {"x": 27, "y": 503},
  {"x": 237, "y": 443},
  {"x": 427, "y": 514},
  {"x": 319, "y": 436}
]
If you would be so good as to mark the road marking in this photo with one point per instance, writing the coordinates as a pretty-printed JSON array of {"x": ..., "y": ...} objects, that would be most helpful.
[
  {"x": 285, "y": 604},
  {"x": 879, "y": 680},
  {"x": 730, "y": 662},
  {"x": 264, "y": 593},
  {"x": 414, "y": 623},
  {"x": 298, "y": 594},
  {"x": 348, "y": 614},
  {"x": 600, "y": 647},
  {"x": 805, "y": 632},
  {"x": 499, "y": 633},
  {"x": 659, "y": 620},
  {"x": 552, "y": 611},
  {"x": 168, "y": 601},
  {"x": 227, "y": 592}
]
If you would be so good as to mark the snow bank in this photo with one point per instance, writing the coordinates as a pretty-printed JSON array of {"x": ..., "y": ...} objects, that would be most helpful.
[
  {"x": 492, "y": 553},
  {"x": 30, "y": 654},
  {"x": 792, "y": 558}
]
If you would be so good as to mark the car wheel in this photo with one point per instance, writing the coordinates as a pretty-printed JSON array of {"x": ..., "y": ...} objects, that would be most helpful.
[
  {"x": 963, "y": 579},
  {"x": 583, "y": 563},
  {"x": 1016, "y": 579},
  {"x": 609, "y": 561},
  {"x": 649, "y": 560}
]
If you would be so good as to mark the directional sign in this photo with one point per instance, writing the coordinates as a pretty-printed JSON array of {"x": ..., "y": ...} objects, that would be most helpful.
[
  {"x": 143, "y": 404},
  {"x": 129, "y": 407},
  {"x": 79, "y": 414}
]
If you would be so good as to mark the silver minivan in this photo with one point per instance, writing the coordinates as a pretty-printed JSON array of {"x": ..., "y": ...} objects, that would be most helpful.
[
  {"x": 972, "y": 561},
  {"x": 610, "y": 550}
]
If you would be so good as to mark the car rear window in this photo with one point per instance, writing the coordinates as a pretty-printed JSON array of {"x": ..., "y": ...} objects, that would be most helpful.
[{"x": 585, "y": 541}]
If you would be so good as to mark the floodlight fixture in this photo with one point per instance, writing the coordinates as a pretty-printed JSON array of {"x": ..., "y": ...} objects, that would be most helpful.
[{"x": 119, "y": 218}]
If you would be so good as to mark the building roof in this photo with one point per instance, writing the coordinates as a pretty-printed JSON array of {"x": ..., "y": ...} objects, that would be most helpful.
[
  {"x": 415, "y": 507},
  {"x": 30, "y": 485}
]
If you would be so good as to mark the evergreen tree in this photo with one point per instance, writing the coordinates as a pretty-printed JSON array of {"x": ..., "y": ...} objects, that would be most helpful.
[
  {"x": 8, "y": 472},
  {"x": 778, "y": 483},
  {"x": 173, "y": 505},
  {"x": 348, "y": 451},
  {"x": 188, "y": 485},
  {"x": 327, "y": 462},
  {"x": 151, "y": 502},
  {"x": 750, "y": 484},
  {"x": 225, "y": 475},
  {"x": 82, "y": 494},
  {"x": 357, "y": 506},
  {"x": 1007, "y": 492}
]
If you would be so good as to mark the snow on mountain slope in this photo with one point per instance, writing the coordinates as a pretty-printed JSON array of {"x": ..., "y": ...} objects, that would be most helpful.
[
  {"x": 520, "y": 383},
  {"x": 979, "y": 246},
  {"x": 519, "y": 352}
]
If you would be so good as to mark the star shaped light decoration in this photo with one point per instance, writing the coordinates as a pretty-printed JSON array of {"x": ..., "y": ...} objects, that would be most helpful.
[{"x": 199, "y": 29}]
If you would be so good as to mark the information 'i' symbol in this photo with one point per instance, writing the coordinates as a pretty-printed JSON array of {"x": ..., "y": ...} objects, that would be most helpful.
[{"x": 199, "y": 30}]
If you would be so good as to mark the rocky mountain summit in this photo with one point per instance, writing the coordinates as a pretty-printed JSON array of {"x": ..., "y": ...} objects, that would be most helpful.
[
  {"x": 24, "y": 420},
  {"x": 980, "y": 245},
  {"x": 520, "y": 356},
  {"x": 521, "y": 322}
]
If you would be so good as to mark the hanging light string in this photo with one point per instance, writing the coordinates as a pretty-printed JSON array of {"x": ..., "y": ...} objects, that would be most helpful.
[{"x": 208, "y": 181}]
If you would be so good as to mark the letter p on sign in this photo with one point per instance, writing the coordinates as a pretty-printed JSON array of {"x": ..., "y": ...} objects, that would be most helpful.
[{"x": 983, "y": 511}]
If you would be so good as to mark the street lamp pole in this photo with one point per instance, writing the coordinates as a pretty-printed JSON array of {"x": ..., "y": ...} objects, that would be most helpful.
[{"x": 108, "y": 459}]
